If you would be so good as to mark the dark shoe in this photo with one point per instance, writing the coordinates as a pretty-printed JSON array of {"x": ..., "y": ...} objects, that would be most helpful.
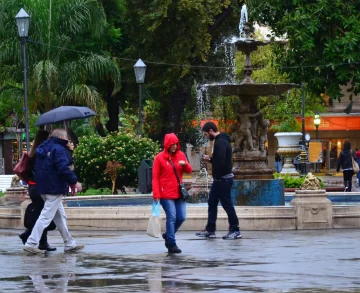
[
  {"x": 46, "y": 247},
  {"x": 166, "y": 240},
  {"x": 232, "y": 235},
  {"x": 206, "y": 234},
  {"x": 174, "y": 249},
  {"x": 24, "y": 236}
]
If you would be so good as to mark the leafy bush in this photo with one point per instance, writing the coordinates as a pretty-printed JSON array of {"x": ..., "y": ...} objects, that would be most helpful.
[
  {"x": 92, "y": 191},
  {"x": 93, "y": 153},
  {"x": 293, "y": 181}
]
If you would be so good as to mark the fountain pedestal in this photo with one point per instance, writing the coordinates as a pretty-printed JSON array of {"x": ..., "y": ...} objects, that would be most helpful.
[
  {"x": 313, "y": 209},
  {"x": 251, "y": 165}
]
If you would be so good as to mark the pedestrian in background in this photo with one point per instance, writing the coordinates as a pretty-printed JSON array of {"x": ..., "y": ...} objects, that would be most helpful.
[
  {"x": 278, "y": 162},
  {"x": 358, "y": 161},
  {"x": 345, "y": 162},
  {"x": 53, "y": 176},
  {"x": 166, "y": 187},
  {"x": 221, "y": 161}
]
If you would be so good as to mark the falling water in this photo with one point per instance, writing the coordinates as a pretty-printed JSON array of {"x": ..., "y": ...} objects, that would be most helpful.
[
  {"x": 203, "y": 100},
  {"x": 243, "y": 19}
]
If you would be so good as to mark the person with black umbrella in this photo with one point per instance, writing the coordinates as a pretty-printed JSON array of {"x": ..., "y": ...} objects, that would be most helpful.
[{"x": 53, "y": 177}]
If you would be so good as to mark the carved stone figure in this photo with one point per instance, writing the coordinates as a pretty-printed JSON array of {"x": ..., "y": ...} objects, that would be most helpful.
[
  {"x": 245, "y": 133},
  {"x": 310, "y": 183},
  {"x": 264, "y": 125},
  {"x": 15, "y": 182}
]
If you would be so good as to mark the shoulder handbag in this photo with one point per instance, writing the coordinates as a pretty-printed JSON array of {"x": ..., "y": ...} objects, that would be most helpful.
[
  {"x": 22, "y": 167},
  {"x": 355, "y": 165},
  {"x": 184, "y": 194}
]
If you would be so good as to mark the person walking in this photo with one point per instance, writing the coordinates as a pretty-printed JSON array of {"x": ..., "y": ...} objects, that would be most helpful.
[
  {"x": 345, "y": 162},
  {"x": 358, "y": 161},
  {"x": 278, "y": 162},
  {"x": 166, "y": 187},
  {"x": 223, "y": 180},
  {"x": 53, "y": 176},
  {"x": 37, "y": 201}
]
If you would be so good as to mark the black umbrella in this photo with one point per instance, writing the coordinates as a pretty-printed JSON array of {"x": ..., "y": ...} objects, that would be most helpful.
[{"x": 64, "y": 113}]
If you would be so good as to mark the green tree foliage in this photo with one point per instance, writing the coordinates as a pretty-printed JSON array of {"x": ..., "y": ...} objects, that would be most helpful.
[
  {"x": 173, "y": 32},
  {"x": 323, "y": 37},
  {"x": 93, "y": 153},
  {"x": 56, "y": 75}
]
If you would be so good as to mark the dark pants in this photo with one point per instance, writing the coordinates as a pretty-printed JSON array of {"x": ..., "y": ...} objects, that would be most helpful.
[
  {"x": 221, "y": 190},
  {"x": 39, "y": 202},
  {"x": 348, "y": 174}
]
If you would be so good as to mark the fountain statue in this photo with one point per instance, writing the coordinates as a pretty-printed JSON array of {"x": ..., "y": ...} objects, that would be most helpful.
[{"x": 249, "y": 131}]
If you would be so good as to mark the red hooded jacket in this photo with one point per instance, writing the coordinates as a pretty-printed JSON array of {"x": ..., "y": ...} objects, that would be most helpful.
[{"x": 164, "y": 182}]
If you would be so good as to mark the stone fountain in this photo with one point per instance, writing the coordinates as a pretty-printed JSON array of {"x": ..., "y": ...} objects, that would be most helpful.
[{"x": 254, "y": 183}]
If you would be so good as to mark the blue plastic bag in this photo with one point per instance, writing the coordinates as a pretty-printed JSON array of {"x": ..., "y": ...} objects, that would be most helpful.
[{"x": 154, "y": 226}]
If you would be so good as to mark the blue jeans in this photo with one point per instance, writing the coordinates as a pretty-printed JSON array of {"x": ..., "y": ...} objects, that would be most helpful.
[
  {"x": 175, "y": 211},
  {"x": 278, "y": 166},
  {"x": 221, "y": 191}
]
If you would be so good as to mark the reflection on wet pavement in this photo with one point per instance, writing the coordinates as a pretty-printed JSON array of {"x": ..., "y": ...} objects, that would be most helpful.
[{"x": 292, "y": 261}]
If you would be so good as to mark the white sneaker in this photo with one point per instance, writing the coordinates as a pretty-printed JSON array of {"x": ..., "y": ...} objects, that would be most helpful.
[
  {"x": 34, "y": 250},
  {"x": 75, "y": 248}
]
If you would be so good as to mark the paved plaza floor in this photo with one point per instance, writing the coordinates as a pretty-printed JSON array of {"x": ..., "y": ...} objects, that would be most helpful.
[{"x": 282, "y": 261}]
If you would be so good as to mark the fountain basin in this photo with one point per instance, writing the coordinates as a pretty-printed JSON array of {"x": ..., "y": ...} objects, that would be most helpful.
[{"x": 258, "y": 192}]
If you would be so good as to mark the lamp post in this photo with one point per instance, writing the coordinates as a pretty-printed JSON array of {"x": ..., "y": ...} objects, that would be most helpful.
[
  {"x": 22, "y": 22},
  {"x": 140, "y": 69},
  {"x": 317, "y": 122},
  {"x": 303, "y": 152}
]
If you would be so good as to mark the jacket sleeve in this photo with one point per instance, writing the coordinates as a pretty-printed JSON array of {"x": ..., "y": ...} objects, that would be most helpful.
[
  {"x": 339, "y": 162},
  {"x": 156, "y": 178},
  {"x": 62, "y": 166},
  {"x": 187, "y": 168}
]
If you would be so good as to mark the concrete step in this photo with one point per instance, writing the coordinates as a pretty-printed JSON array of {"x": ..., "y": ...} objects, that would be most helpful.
[{"x": 15, "y": 211}]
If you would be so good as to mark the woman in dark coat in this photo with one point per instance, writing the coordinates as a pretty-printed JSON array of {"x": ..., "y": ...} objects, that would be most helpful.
[
  {"x": 345, "y": 162},
  {"x": 37, "y": 201}
]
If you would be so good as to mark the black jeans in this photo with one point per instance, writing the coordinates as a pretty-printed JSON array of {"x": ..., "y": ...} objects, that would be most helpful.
[
  {"x": 348, "y": 174},
  {"x": 221, "y": 190}
]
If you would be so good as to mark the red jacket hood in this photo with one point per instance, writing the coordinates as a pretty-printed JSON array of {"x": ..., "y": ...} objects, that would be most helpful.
[{"x": 169, "y": 140}]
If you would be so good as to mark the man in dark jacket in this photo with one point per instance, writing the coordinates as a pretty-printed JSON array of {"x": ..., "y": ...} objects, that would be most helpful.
[
  {"x": 53, "y": 176},
  {"x": 223, "y": 180}
]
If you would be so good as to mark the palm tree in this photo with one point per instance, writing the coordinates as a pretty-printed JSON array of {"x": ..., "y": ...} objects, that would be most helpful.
[{"x": 62, "y": 68}]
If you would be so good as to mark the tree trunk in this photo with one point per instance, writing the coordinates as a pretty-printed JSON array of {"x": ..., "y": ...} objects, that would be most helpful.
[
  {"x": 113, "y": 108},
  {"x": 179, "y": 99}
]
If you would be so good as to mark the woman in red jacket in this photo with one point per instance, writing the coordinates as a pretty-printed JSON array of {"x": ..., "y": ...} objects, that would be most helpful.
[{"x": 166, "y": 187}]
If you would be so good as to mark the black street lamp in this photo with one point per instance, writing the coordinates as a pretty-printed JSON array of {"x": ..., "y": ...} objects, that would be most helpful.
[
  {"x": 22, "y": 22},
  {"x": 317, "y": 122},
  {"x": 140, "y": 69}
]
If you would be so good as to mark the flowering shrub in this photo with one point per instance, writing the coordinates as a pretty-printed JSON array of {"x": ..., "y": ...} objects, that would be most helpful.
[{"x": 93, "y": 153}]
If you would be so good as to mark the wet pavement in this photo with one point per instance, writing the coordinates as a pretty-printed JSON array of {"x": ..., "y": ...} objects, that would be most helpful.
[{"x": 282, "y": 261}]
